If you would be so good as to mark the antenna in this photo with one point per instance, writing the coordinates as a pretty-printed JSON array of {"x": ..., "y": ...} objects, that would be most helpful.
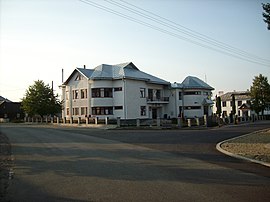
[
  {"x": 205, "y": 78},
  {"x": 62, "y": 75}
]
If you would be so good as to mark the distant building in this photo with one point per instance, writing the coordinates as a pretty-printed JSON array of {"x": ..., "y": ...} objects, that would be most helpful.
[
  {"x": 10, "y": 110},
  {"x": 124, "y": 91},
  {"x": 242, "y": 103}
]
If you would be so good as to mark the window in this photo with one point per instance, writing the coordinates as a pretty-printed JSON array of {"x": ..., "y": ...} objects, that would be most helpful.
[
  {"x": 180, "y": 95},
  {"x": 95, "y": 92},
  {"x": 192, "y": 107},
  {"x": 83, "y": 110},
  {"x": 224, "y": 104},
  {"x": 118, "y": 107},
  {"x": 143, "y": 110},
  {"x": 67, "y": 111},
  {"x": 75, "y": 111},
  {"x": 83, "y": 93},
  {"x": 78, "y": 77},
  {"x": 107, "y": 92},
  {"x": 102, "y": 110},
  {"x": 118, "y": 89},
  {"x": 142, "y": 92},
  {"x": 192, "y": 93},
  {"x": 158, "y": 93},
  {"x": 231, "y": 103},
  {"x": 102, "y": 92},
  {"x": 75, "y": 94},
  {"x": 206, "y": 93},
  {"x": 239, "y": 103}
]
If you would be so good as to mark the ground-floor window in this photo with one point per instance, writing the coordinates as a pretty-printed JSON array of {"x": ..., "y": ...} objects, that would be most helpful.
[
  {"x": 67, "y": 111},
  {"x": 75, "y": 111},
  {"x": 83, "y": 110},
  {"x": 143, "y": 110},
  {"x": 102, "y": 110}
]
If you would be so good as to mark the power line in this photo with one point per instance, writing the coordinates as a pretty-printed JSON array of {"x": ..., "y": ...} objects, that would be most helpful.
[
  {"x": 218, "y": 46},
  {"x": 196, "y": 34}
]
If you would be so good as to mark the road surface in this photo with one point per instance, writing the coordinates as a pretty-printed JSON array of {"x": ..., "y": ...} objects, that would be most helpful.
[{"x": 82, "y": 164}]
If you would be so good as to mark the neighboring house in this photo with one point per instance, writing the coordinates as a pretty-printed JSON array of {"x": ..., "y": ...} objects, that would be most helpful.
[
  {"x": 191, "y": 98},
  {"x": 242, "y": 103},
  {"x": 124, "y": 91},
  {"x": 10, "y": 110}
]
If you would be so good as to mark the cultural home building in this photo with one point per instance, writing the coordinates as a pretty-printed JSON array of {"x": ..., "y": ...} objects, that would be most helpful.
[{"x": 124, "y": 91}]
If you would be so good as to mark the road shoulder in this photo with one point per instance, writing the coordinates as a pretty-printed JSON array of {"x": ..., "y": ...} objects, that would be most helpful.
[{"x": 253, "y": 147}]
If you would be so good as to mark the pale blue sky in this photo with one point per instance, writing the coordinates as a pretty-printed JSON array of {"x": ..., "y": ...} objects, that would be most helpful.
[{"x": 40, "y": 37}]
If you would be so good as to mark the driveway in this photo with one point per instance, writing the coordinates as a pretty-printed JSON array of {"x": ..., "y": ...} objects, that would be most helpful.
[{"x": 82, "y": 164}]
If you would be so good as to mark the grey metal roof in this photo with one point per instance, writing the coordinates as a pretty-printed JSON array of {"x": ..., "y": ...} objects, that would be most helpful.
[
  {"x": 192, "y": 82},
  {"x": 120, "y": 71},
  {"x": 239, "y": 95}
]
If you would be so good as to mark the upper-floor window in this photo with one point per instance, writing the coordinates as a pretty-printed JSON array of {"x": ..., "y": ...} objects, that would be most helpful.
[
  {"x": 180, "y": 95},
  {"x": 224, "y": 104},
  {"x": 83, "y": 93},
  {"x": 192, "y": 93},
  {"x": 78, "y": 77},
  {"x": 75, "y": 94},
  {"x": 239, "y": 103},
  {"x": 118, "y": 89},
  {"x": 102, "y": 92},
  {"x": 142, "y": 92}
]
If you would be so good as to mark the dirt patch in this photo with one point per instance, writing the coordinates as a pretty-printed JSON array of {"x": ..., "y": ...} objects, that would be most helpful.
[
  {"x": 5, "y": 166},
  {"x": 254, "y": 145}
]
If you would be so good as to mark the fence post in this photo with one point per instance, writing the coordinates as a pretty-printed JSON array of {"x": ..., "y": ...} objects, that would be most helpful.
[
  {"x": 96, "y": 120},
  {"x": 189, "y": 122},
  {"x": 71, "y": 120},
  {"x": 205, "y": 120},
  {"x": 198, "y": 121},
  {"x": 86, "y": 120},
  {"x": 179, "y": 122},
  {"x": 158, "y": 122},
  {"x": 118, "y": 122},
  {"x": 138, "y": 122}
]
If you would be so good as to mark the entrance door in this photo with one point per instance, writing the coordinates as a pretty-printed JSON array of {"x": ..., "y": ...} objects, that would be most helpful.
[{"x": 154, "y": 113}]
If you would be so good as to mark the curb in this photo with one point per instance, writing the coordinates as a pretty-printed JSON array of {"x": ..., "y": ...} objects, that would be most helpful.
[{"x": 218, "y": 147}]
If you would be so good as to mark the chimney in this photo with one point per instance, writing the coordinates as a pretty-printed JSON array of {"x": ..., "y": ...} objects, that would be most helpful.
[{"x": 84, "y": 66}]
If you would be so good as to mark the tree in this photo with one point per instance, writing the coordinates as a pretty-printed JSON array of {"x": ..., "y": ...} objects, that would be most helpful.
[
  {"x": 40, "y": 100},
  {"x": 260, "y": 93},
  {"x": 218, "y": 105},
  {"x": 233, "y": 105},
  {"x": 266, "y": 14}
]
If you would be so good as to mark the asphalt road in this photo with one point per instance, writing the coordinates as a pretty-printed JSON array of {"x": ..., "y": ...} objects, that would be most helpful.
[{"x": 82, "y": 164}]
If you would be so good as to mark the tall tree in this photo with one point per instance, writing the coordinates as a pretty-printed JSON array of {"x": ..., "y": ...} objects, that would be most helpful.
[
  {"x": 218, "y": 105},
  {"x": 40, "y": 100},
  {"x": 266, "y": 14},
  {"x": 233, "y": 105},
  {"x": 260, "y": 93}
]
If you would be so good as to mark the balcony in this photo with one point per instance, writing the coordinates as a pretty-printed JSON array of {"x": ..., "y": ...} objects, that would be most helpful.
[{"x": 155, "y": 100}]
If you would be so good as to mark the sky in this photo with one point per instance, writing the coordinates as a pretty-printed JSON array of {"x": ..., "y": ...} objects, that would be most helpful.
[{"x": 223, "y": 42}]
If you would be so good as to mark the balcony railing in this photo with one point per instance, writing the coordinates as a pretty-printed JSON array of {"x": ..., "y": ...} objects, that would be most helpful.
[{"x": 160, "y": 100}]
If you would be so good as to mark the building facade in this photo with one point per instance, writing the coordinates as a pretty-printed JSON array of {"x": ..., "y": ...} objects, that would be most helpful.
[
  {"x": 242, "y": 104},
  {"x": 124, "y": 91}
]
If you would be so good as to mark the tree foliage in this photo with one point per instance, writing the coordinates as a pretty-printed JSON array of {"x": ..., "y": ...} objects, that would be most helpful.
[
  {"x": 233, "y": 105},
  {"x": 266, "y": 14},
  {"x": 40, "y": 100},
  {"x": 260, "y": 93}
]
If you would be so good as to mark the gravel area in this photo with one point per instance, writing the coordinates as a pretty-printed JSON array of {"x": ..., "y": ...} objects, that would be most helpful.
[
  {"x": 255, "y": 146},
  {"x": 5, "y": 166}
]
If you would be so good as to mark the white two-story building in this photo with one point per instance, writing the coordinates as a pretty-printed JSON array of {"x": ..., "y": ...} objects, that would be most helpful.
[{"x": 124, "y": 91}]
